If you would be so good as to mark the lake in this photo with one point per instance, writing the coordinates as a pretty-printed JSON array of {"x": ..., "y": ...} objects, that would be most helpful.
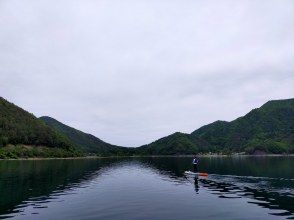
[{"x": 148, "y": 188}]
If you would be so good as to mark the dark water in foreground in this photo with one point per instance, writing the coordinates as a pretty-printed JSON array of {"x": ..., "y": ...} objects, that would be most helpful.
[{"x": 148, "y": 188}]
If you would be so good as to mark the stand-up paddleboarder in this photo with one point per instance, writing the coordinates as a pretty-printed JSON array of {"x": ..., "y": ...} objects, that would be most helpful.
[{"x": 195, "y": 164}]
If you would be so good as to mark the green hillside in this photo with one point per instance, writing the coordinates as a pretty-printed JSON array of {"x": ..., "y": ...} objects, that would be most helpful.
[
  {"x": 86, "y": 142},
  {"x": 19, "y": 127},
  {"x": 268, "y": 129},
  {"x": 174, "y": 144}
]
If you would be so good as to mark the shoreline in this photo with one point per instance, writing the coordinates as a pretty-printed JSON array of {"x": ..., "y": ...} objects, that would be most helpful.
[{"x": 154, "y": 156}]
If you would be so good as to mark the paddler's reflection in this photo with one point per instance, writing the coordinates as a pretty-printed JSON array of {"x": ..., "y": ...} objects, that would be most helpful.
[{"x": 196, "y": 184}]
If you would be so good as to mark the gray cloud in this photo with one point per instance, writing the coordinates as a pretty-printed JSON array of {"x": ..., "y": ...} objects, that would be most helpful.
[{"x": 132, "y": 71}]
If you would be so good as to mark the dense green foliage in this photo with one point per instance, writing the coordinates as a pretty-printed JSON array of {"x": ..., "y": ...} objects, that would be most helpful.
[
  {"x": 86, "y": 142},
  {"x": 21, "y": 151},
  {"x": 18, "y": 126},
  {"x": 268, "y": 129}
]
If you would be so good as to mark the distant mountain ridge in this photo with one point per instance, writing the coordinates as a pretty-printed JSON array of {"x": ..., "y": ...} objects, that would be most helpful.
[
  {"x": 86, "y": 142},
  {"x": 174, "y": 144},
  {"x": 269, "y": 128}
]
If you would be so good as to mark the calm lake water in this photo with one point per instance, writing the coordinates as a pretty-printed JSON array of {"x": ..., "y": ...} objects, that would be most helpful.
[{"x": 148, "y": 188}]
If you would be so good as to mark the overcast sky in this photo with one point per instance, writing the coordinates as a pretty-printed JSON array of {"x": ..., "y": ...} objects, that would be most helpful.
[{"x": 132, "y": 71}]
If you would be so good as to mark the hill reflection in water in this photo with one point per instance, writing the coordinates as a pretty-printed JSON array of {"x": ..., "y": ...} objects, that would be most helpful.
[{"x": 33, "y": 185}]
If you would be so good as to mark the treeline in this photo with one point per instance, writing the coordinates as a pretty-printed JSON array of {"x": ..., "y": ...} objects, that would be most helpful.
[{"x": 21, "y": 151}]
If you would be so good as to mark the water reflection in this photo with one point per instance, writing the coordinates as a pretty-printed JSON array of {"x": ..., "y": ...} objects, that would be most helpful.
[
  {"x": 260, "y": 197},
  {"x": 37, "y": 183},
  {"x": 196, "y": 184},
  {"x": 275, "y": 193}
]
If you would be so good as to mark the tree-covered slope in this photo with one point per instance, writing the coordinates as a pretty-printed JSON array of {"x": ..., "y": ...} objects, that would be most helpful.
[
  {"x": 174, "y": 144},
  {"x": 84, "y": 141},
  {"x": 18, "y": 126},
  {"x": 269, "y": 128}
]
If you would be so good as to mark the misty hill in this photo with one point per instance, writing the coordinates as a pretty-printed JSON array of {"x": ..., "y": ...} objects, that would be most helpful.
[
  {"x": 86, "y": 142},
  {"x": 19, "y": 127},
  {"x": 269, "y": 128}
]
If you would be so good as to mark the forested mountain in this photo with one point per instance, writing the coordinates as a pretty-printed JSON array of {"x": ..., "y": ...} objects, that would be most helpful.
[
  {"x": 18, "y": 126},
  {"x": 177, "y": 143},
  {"x": 269, "y": 128},
  {"x": 86, "y": 142},
  {"x": 24, "y": 135}
]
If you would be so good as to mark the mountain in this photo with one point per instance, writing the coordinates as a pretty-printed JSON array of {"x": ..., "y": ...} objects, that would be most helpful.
[
  {"x": 19, "y": 127},
  {"x": 268, "y": 129},
  {"x": 177, "y": 143},
  {"x": 86, "y": 142}
]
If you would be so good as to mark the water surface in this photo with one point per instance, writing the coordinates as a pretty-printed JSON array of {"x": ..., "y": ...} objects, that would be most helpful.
[{"x": 148, "y": 188}]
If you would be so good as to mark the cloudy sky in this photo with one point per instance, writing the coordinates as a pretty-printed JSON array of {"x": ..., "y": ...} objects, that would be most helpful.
[{"x": 133, "y": 71}]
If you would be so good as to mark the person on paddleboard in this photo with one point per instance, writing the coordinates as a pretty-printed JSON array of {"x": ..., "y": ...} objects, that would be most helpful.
[{"x": 195, "y": 164}]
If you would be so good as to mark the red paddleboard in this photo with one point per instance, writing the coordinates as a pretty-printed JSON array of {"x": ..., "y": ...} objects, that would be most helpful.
[
  {"x": 202, "y": 174},
  {"x": 196, "y": 174}
]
